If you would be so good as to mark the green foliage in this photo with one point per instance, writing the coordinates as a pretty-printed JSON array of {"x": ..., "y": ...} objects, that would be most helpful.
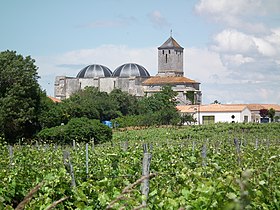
[
  {"x": 190, "y": 96},
  {"x": 19, "y": 96},
  {"x": 223, "y": 182},
  {"x": 271, "y": 113},
  {"x": 127, "y": 104},
  {"x": 92, "y": 104},
  {"x": 160, "y": 108},
  {"x": 79, "y": 129}
]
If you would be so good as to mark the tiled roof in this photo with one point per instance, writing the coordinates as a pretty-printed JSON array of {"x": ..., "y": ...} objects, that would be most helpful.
[
  {"x": 226, "y": 107},
  {"x": 211, "y": 108},
  {"x": 54, "y": 99},
  {"x": 257, "y": 107},
  {"x": 168, "y": 80},
  {"x": 170, "y": 44}
]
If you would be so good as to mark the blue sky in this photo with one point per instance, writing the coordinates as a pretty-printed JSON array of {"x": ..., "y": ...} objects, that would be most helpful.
[{"x": 231, "y": 47}]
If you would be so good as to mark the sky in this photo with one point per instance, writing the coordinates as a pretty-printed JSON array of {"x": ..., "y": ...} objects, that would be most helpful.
[{"x": 231, "y": 47}]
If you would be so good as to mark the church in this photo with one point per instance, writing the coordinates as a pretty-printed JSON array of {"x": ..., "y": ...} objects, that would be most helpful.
[{"x": 136, "y": 79}]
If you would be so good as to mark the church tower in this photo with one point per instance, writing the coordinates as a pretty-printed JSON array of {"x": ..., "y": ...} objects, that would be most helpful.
[{"x": 170, "y": 59}]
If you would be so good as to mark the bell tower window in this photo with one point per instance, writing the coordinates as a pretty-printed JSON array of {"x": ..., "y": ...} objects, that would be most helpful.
[{"x": 166, "y": 58}]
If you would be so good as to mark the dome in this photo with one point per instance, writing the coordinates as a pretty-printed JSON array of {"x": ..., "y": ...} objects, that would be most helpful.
[
  {"x": 94, "y": 70},
  {"x": 131, "y": 70}
]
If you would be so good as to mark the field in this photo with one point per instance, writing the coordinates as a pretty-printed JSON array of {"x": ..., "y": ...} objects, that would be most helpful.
[{"x": 221, "y": 166}]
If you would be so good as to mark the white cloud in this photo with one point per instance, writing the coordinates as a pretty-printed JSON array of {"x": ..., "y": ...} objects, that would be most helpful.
[
  {"x": 158, "y": 20},
  {"x": 241, "y": 14},
  {"x": 112, "y": 56},
  {"x": 232, "y": 41},
  {"x": 204, "y": 66}
]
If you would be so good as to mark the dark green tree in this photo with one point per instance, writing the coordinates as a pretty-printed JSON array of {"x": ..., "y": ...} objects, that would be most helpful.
[
  {"x": 271, "y": 114},
  {"x": 51, "y": 113},
  {"x": 161, "y": 106},
  {"x": 127, "y": 104},
  {"x": 19, "y": 96},
  {"x": 91, "y": 103}
]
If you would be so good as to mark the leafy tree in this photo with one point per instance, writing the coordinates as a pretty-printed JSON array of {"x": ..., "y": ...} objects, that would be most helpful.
[
  {"x": 19, "y": 96},
  {"x": 51, "y": 113},
  {"x": 271, "y": 113},
  {"x": 216, "y": 102},
  {"x": 127, "y": 104},
  {"x": 79, "y": 129},
  {"x": 162, "y": 106},
  {"x": 93, "y": 104},
  {"x": 263, "y": 113}
]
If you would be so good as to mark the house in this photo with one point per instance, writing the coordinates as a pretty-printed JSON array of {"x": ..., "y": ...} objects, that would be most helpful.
[
  {"x": 255, "y": 110},
  {"x": 214, "y": 113}
]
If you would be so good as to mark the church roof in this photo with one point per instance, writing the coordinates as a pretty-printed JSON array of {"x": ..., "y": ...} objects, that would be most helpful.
[
  {"x": 94, "y": 70},
  {"x": 168, "y": 80},
  {"x": 131, "y": 70},
  {"x": 170, "y": 44}
]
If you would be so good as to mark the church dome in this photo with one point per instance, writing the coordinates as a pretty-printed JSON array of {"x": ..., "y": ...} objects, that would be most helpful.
[
  {"x": 94, "y": 70},
  {"x": 131, "y": 70}
]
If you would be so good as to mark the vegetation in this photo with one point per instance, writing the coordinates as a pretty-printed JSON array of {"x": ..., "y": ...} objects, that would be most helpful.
[
  {"x": 20, "y": 96},
  {"x": 78, "y": 129},
  {"x": 221, "y": 166}
]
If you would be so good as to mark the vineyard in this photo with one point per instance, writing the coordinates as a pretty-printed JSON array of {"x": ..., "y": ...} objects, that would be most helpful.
[{"x": 220, "y": 166}]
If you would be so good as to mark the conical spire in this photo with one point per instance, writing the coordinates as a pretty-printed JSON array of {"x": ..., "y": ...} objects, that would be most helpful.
[{"x": 170, "y": 44}]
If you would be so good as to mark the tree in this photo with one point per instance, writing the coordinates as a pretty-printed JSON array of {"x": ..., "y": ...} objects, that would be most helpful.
[
  {"x": 216, "y": 102},
  {"x": 263, "y": 113},
  {"x": 81, "y": 129},
  {"x": 161, "y": 106},
  {"x": 19, "y": 96},
  {"x": 271, "y": 114},
  {"x": 127, "y": 104}
]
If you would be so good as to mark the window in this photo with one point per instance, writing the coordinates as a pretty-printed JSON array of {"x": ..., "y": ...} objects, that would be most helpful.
[
  {"x": 245, "y": 118},
  {"x": 166, "y": 58},
  {"x": 208, "y": 120},
  {"x": 169, "y": 51},
  {"x": 163, "y": 52}
]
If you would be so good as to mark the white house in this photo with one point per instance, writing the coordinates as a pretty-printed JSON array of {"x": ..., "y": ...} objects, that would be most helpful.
[{"x": 214, "y": 113}]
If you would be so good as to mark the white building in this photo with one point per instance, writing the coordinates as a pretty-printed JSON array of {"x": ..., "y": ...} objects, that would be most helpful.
[{"x": 214, "y": 113}]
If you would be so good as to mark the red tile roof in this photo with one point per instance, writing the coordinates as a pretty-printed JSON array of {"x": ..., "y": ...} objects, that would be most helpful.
[
  {"x": 211, "y": 108},
  {"x": 167, "y": 80},
  {"x": 54, "y": 99},
  {"x": 226, "y": 107},
  {"x": 257, "y": 107}
]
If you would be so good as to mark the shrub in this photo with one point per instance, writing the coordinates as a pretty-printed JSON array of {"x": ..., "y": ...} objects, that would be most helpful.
[{"x": 78, "y": 129}]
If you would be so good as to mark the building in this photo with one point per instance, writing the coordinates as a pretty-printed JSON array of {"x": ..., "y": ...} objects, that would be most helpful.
[
  {"x": 135, "y": 79},
  {"x": 214, "y": 113}
]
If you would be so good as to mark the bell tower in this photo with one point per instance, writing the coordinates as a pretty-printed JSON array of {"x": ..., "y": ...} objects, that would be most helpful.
[{"x": 170, "y": 58}]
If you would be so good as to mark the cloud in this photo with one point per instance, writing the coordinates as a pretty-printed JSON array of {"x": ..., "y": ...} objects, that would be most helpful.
[
  {"x": 232, "y": 41},
  {"x": 112, "y": 56},
  {"x": 158, "y": 20},
  {"x": 240, "y": 14},
  {"x": 204, "y": 66}
]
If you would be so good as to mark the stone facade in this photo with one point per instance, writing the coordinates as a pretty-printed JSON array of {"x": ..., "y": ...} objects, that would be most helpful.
[
  {"x": 135, "y": 79},
  {"x": 170, "y": 59}
]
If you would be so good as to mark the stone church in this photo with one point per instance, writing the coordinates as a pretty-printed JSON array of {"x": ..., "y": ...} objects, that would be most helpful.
[{"x": 135, "y": 79}]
